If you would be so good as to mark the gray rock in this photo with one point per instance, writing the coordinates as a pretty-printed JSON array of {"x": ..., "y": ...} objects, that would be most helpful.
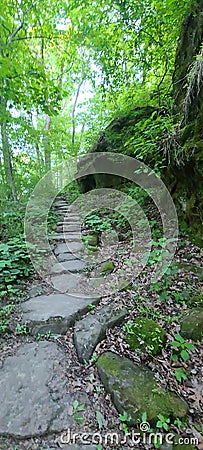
[
  {"x": 36, "y": 290},
  {"x": 65, "y": 257},
  {"x": 75, "y": 265},
  {"x": 68, "y": 283},
  {"x": 66, "y": 237},
  {"x": 34, "y": 399},
  {"x": 192, "y": 325},
  {"x": 55, "y": 312},
  {"x": 134, "y": 389},
  {"x": 62, "y": 248},
  {"x": 92, "y": 329}
]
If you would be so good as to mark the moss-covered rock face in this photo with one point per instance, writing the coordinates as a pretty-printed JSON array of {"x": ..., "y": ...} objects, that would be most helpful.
[
  {"x": 145, "y": 334},
  {"x": 91, "y": 239},
  {"x": 192, "y": 325},
  {"x": 134, "y": 389},
  {"x": 106, "y": 268}
]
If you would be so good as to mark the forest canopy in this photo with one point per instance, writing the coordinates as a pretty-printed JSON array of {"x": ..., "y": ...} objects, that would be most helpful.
[{"x": 68, "y": 68}]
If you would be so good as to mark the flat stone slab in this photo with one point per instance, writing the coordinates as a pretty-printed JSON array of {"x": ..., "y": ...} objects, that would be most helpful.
[
  {"x": 69, "y": 247},
  {"x": 134, "y": 389},
  {"x": 72, "y": 284},
  {"x": 92, "y": 329},
  {"x": 76, "y": 265},
  {"x": 66, "y": 237},
  {"x": 61, "y": 248},
  {"x": 55, "y": 312},
  {"x": 34, "y": 397},
  {"x": 73, "y": 227},
  {"x": 65, "y": 257}
]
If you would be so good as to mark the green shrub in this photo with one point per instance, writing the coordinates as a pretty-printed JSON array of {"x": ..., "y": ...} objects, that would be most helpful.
[{"x": 145, "y": 334}]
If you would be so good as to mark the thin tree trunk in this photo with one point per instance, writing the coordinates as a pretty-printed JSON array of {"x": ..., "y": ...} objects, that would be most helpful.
[
  {"x": 8, "y": 166},
  {"x": 47, "y": 151},
  {"x": 73, "y": 111}
]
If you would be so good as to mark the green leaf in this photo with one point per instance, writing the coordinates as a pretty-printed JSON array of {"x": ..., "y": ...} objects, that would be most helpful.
[{"x": 100, "y": 419}]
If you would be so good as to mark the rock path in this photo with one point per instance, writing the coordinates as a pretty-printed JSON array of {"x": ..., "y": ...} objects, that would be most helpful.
[{"x": 36, "y": 395}]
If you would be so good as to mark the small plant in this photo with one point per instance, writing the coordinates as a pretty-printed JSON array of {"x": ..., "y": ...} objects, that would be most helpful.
[
  {"x": 100, "y": 419},
  {"x": 163, "y": 422},
  {"x": 78, "y": 408},
  {"x": 180, "y": 348},
  {"x": 21, "y": 329},
  {"x": 180, "y": 374},
  {"x": 124, "y": 418},
  {"x": 93, "y": 358},
  {"x": 90, "y": 307},
  {"x": 144, "y": 334}
]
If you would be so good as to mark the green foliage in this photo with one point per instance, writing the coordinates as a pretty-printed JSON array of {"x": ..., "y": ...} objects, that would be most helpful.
[
  {"x": 145, "y": 334},
  {"x": 163, "y": 422},
  {"x": 124, "y": 418},
  {"x": 15, "y": 265},
  {"x": 5, "y": 313},
  {"x": 100, "y": 419},
  {"x": 180, "y": 374},
  {"x": 21, "y": 329},
  {"x": 78, "y": 409},
  {"x": 180, "y": 348}
]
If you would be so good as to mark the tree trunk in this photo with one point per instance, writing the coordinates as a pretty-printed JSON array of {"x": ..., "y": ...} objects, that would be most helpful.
[
  {"x": 47, "y": 150},
  {"x": 73, "y": 111},
  {"x": 8, "y": 167}
]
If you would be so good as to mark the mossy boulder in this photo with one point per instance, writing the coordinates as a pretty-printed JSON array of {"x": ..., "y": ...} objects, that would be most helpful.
[
  {"x": 134, "y": 389},
  {"x": 196, "y": 301},
  {"x": 106, "y": 268},
  {"x": 192, "y": 325},
  {"x": 145, "y": 334},
  {"x": 91, "y": 239},
  {"x": 93, "y": 248}
]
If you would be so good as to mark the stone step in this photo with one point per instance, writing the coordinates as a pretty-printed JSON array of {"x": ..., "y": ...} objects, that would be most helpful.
[
  {"x": 69, "y": 237},
  {"x": 54, "y": 312},
  {"x": 69, "y": 247},
  {"x": 72, "y": 284},
  {"x": 68, "y": 228},
  {"x": 62, "y": 257},
  {"x": 34, "y": 398},
  {"x": 75, "y": 265}
]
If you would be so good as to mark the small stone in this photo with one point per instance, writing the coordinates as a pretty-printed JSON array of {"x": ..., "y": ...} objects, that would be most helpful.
[
  {"x": 106, "y": 268},
  {"x": 192, "y": 325}
]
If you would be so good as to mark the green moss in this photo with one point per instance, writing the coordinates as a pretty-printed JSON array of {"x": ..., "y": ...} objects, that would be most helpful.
[
  {"x": 135, "y": 390},
  {"x": 90, "y": 239},
  {"x": 106, "y": 268},
  {"x": 192, "y": 325},
  {"x": 196, "y": 301},
  {"x": 145, "y": 334}
]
